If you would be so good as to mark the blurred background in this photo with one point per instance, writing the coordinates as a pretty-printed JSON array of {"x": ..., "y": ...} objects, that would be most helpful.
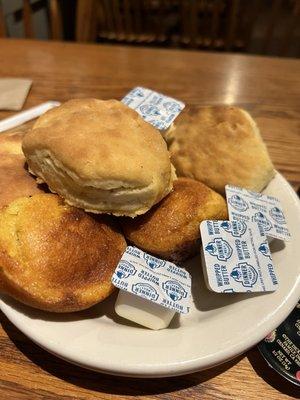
[{"x": 267, "y": 27}]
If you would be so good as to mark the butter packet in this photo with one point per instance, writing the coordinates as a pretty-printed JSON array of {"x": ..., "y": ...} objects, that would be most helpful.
[
  {"x": 236, "y": 257},
  {"x": 151, "y": 278},
  {"x": 245, "y": 205},
  {"x": 155, "y": 108}
]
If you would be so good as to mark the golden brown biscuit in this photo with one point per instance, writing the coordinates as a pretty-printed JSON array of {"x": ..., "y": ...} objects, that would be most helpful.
[
  {"x": 171, "y": 228},
  {"x": 219, "y": 146},
  {"x": 55, "y": 257},
  {"x": 15, "y": 180},
  {"x": 100, "y": 156}
]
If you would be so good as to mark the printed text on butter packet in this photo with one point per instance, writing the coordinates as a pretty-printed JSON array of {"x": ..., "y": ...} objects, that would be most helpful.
[
  {"x": 236, "y": 257},
  {"x": 157, "y": 109},
  {"x": 244, "y": 205},
  {"x": 156, "y": 280}
]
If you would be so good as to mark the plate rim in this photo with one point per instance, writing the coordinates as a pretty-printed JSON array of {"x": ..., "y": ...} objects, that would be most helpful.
[{"x": 177, "y": 368}]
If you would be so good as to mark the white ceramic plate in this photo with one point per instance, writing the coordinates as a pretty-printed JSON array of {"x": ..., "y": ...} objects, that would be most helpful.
[{"x": 218, "y": 327}]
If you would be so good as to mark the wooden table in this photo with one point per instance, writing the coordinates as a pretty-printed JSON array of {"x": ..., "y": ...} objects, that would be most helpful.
[{"x": 267, "y": 87}]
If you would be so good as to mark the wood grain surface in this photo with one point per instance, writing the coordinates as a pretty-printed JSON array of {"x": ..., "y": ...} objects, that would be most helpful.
[{"x": 267, "y": 87}]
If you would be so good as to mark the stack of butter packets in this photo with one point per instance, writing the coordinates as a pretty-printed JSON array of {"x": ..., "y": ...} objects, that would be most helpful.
[
  {"x": 244, "y": 205},
  {"x": 236, "y": 254}
]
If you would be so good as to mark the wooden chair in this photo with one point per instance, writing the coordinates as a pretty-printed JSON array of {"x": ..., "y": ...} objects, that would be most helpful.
[
  {"x": 132, "y": 21},
  {"x": 227, "y": 25},
  {"x": 231, "y": 25},
  {"x": 2, "y": 23},
  {"x": 54, "y": 20}
]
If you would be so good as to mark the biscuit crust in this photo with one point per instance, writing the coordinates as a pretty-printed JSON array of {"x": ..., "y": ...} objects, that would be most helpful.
[
  {"x": 218, "y": 146},
  {"x": 100, "y": 156},
  {"x": 171, "y": 228},
  {"x": 15, "y": 180}
]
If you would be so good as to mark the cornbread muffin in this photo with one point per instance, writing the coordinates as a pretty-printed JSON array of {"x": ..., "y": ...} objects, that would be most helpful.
[
  {"x": 55, "y": 257},
  {"x": 219, "y": 146},
  {"x": 100, "y": 156},
  {"x": 170, "y": 229},
  {"x": 15, "y": 180}
]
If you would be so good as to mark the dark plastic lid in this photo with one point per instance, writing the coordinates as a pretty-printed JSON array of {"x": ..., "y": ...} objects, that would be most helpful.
[{"x": 281, "y": 348}]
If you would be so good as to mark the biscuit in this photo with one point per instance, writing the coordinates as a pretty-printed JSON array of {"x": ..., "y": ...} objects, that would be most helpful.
[
  {"x": 55, "y": 257},
  {"x": 15, "y": 180},
  {"x": 100, "y": 156},
  {"x": 170, "y": 229},
  {"x": 219, "y": 146}
]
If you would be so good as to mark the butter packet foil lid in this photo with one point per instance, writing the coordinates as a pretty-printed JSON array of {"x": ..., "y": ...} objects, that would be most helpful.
[
  {"x": 244, "y": 205},
  {"x": 151, "y": 278},
  {"x": 236, "y": 257},
  {"x": 155, "y": 108},
  {"x": 281, "y": 348}
]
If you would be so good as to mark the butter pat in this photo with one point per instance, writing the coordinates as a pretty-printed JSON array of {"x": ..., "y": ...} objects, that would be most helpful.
[
  {"x": 152, "y": 290},
  {"x": 142, "y": 311}
]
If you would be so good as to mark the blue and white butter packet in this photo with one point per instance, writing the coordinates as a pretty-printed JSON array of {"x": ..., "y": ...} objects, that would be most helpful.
[
  {"x": 244, "y": 205},
  {"x": 153, "y": 279},
  {"x": 237, "y": 257},
  {"x": 155, "y": 108}
]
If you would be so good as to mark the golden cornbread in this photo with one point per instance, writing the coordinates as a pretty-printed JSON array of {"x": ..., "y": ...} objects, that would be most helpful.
[
  {"x": 15, "y": 180},
  {"x": 11, "y": 143},
  {"x": 171, "y": 228},
  {"x": 55, "y": 257},
  {"x": 100, "y": 156},
  {"x": 218, "y": 146}
]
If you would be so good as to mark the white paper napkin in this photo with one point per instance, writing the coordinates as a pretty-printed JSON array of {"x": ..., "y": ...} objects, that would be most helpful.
[{"x": 13, "y": 93}]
